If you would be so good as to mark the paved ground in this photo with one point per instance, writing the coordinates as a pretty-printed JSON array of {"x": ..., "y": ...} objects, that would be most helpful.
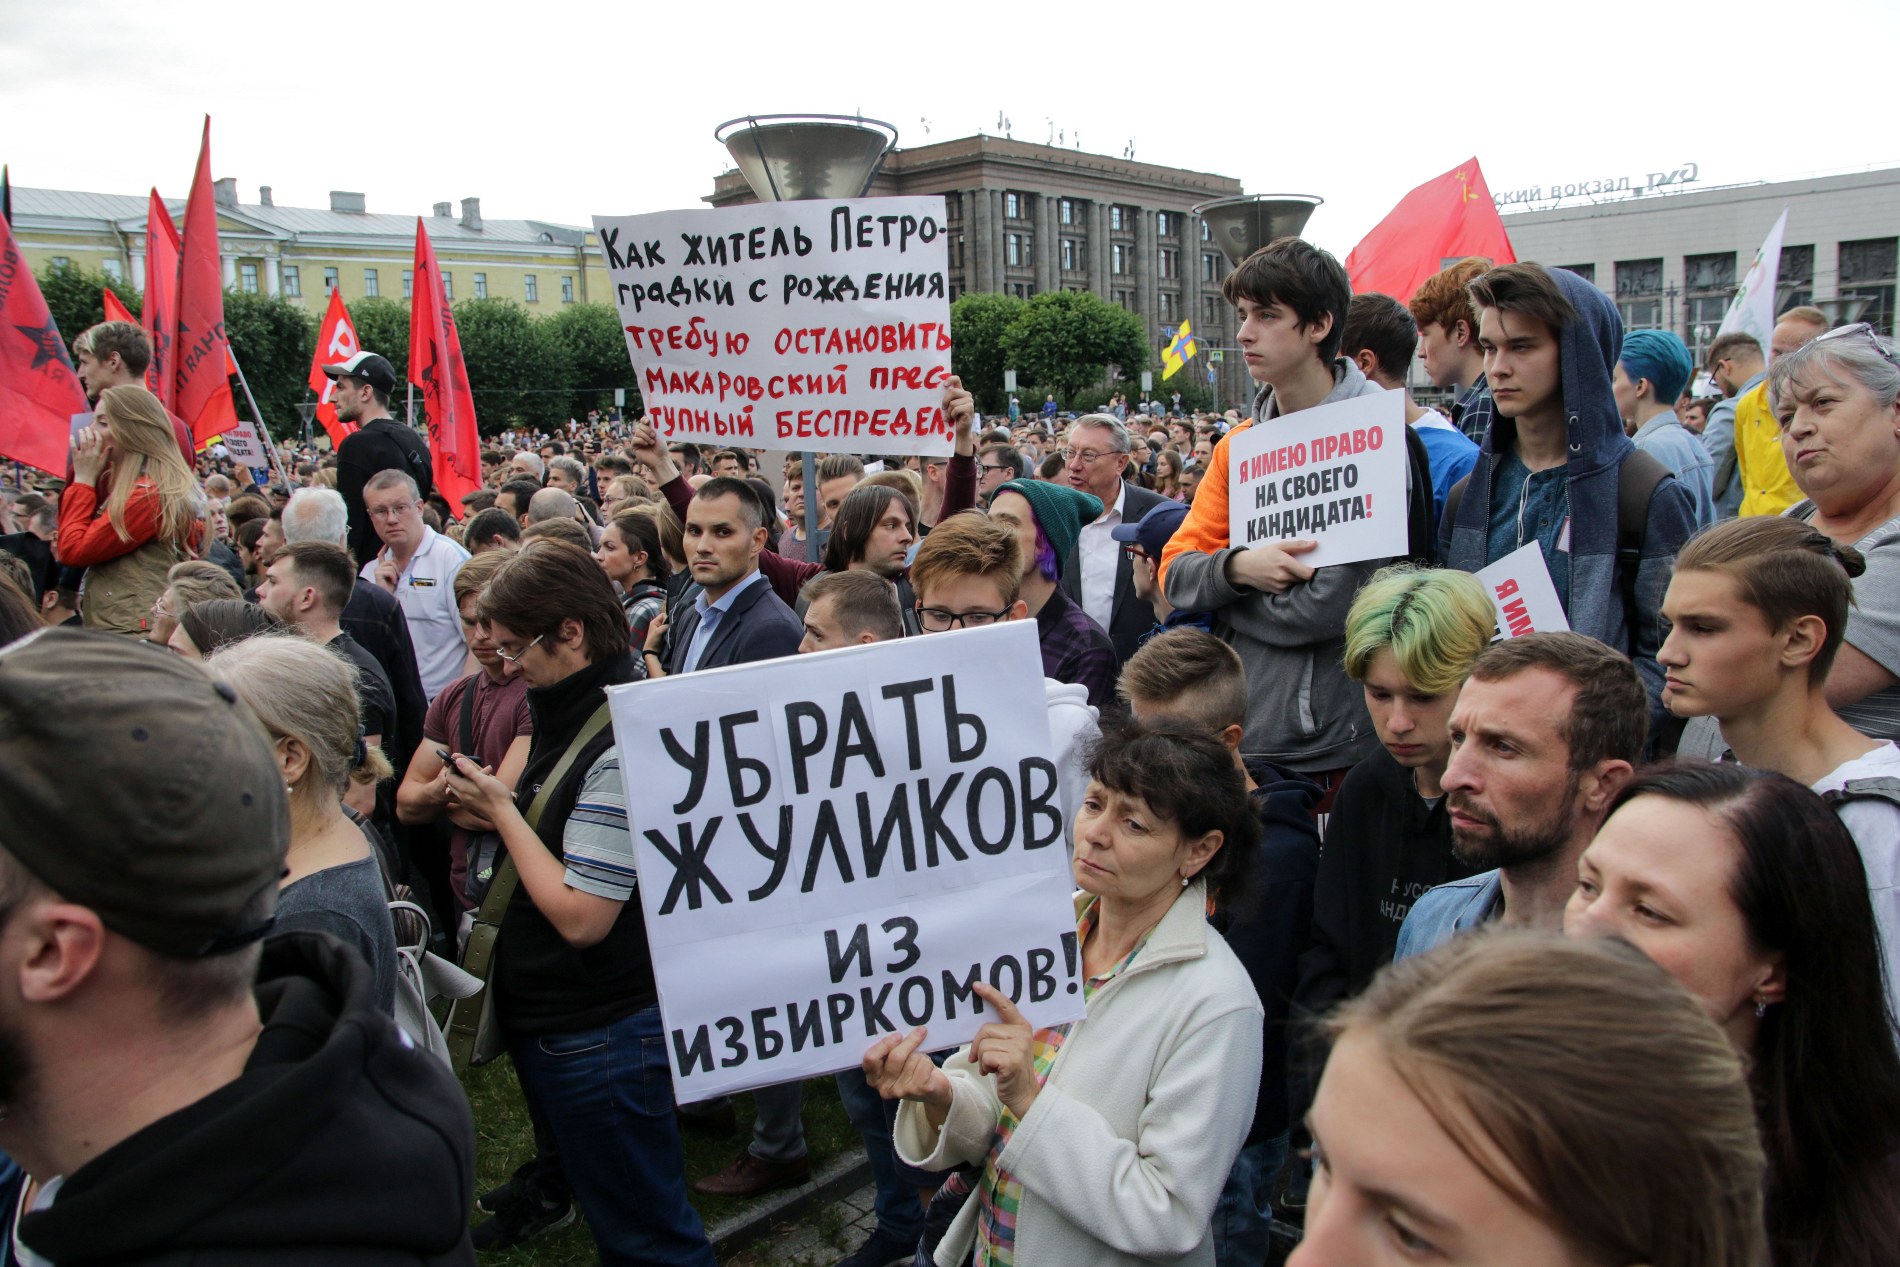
[{"x": 818, "y": 1238}]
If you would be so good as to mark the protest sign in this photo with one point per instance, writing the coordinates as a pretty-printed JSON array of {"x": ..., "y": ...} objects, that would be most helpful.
[
  {"x": 1521, "y": 589},
  {"x": 1334, "y": 474},
  {"x": 242, "y": 445},
  {"x": 789, "y": 325},
  {"x": 834, "y": 852}
]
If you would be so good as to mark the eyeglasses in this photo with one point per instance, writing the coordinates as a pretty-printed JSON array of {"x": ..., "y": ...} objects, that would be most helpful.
[
  {"x": 936, "y": 620},
  {"x": 993, "y": 466},
  {"x": 396, "y": 511},
  {"x": 1088, "y": 457},
  {"x": 1862, "y": 329},
  {"x": 514, "y": 657}
]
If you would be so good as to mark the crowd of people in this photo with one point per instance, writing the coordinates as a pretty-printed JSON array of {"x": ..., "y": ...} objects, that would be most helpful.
[{"x": 1399, "y": 939}]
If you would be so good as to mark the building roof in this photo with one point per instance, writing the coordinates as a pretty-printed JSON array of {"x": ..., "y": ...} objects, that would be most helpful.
[{"x": 119, "y": 209}]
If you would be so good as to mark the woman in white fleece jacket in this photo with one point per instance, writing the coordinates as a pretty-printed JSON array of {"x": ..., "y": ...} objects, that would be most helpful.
[{"x": 1107, "y": 1141}]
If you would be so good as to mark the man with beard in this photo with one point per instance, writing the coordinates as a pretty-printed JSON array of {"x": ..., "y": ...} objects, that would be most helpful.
[
  {"x": 1545, "y": 734},
  {"x": 363, "y": 386}
]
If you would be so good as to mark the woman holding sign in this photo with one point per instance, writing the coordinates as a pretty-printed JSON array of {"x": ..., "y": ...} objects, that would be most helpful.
[{"x": 1107, "y": 1141}]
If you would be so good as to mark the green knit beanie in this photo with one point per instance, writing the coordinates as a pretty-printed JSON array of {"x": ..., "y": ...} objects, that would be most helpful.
[{"x": 1060, "y": 511}]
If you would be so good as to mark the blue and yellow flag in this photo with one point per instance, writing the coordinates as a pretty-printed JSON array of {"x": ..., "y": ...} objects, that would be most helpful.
[{"x": 1180, "y": 350}]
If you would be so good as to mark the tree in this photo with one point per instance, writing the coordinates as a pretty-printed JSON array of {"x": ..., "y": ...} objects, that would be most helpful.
[
  {"x": 977, "y": 322},
  {"x": 273, "y": 340},
  {"x": 519, "y": 370},
  {"x": 597, "y": 348},
  {"x": 75, "y": 296},
  {"x": 382, "y": 327},
  {"x": 1065, "y": 340}
]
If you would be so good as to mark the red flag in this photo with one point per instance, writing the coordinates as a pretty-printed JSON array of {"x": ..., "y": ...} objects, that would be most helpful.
[
  {"x": 39, "y": 392},
  {"x": 336, "y": 341},
  {"x": 160, "y": 314},
  {"x": 435, "y": 365},
  {"x": 1439, "y": 223},
  {"x": 115, "y": 310},
  {"x": 201, "y": 368}
]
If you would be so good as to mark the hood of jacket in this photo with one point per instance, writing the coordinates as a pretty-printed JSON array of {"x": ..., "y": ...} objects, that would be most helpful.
[
  {"x": 341, "y": 1143},
  {"x": 1589, "y": 347},
  {"x": 1348, "y": 381}
]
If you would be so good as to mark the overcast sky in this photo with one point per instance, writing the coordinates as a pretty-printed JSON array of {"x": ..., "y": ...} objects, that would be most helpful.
[{"x": 560, "y": 112}]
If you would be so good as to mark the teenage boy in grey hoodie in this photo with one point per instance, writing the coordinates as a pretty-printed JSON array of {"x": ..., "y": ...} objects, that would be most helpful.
[
  {"x": 1549, "y": 470},
  {"x": 1284, "y": 618}
]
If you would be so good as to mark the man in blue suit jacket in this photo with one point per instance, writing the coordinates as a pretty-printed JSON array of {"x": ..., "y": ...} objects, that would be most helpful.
[{"x": 736, "y": 618}]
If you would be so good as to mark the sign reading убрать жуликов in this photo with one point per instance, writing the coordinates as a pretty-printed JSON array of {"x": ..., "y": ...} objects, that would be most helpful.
[{"x": 789, "y": 325}]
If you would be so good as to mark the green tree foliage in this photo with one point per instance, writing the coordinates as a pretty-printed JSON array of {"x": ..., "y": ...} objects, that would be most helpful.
[
  {"x": 597, "y": 348},
  {"x": 273, "y": 340},
  {"x": 977, "y": 323},
  {"x": 76, "y": 298},
  {"x": 519, "y": 369},
  {"x": 1063, "y": 341}
]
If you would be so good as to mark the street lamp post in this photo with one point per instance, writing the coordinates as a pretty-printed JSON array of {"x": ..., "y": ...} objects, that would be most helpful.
[
  {"x": 1242, "y": 224},
  {"x": 801, "y": 157}
]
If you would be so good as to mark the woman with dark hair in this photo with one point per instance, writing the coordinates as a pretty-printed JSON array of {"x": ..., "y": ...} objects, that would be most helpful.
[
  {"x": 1767, "y": 923},
  {"x": 631, "y": 556},
  {"x": 1168, "y": 471},
  {"x": 205, "y": 627},
  {"x": 1115, "y": 1152}
]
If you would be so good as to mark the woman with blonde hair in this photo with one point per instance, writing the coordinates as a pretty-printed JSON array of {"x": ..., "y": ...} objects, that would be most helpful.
[
  {"x": 1514, "y": 1098},
  {"x": 132, "y": 510},
  {"x": 306, "y": 697}
]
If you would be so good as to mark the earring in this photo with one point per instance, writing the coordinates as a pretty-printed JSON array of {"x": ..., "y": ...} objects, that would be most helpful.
[
  {"x": 1184, "y": 882},
  {"x": 1761, "y": 1006}
]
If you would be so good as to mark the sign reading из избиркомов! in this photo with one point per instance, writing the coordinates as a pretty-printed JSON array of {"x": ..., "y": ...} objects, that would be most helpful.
[
  {"x": 1334, "y": 474},
  {"x": 840, "y": 847},
  {"x": 789, "y": 325}
]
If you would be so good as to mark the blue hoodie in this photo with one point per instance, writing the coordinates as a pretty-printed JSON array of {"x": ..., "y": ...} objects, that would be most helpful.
[{"x": 1589, "y": 348}]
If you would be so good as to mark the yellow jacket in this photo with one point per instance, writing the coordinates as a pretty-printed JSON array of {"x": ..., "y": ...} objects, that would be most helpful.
[{"x": 1767, "y": 487}]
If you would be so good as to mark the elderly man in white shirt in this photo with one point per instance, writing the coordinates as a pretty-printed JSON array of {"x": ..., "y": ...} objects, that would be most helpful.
[
  {"x": 1098, "y": 575},
  {"x": 418, "y": 565}
]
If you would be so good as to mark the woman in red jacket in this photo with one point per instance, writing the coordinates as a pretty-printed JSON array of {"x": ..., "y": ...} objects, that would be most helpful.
[{"x": 132, "y": 510}]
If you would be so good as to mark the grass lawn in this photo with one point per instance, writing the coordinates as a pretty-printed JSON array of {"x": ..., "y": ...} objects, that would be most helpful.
[{"x": 504, "y": 1139}]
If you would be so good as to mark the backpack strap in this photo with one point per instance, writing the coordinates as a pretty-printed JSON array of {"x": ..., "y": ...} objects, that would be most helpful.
[
  {"x": 1883, "y": 788},
  {"x": 1420, "y": 530},
  {"x": 1636, "y": 481}
]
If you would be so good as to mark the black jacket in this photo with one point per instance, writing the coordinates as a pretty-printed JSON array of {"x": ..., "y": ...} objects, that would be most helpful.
[
  {"x": 759, "y": 626},
  {"x": 1385, "y": 845},
  {"x": 1268, "y": 933},
  {"x": 340, "y": 1146},
  {"x": 374, "y": 619},
  {"x": 1130, "y": 618},
  {"x": 382, "y": 445}
]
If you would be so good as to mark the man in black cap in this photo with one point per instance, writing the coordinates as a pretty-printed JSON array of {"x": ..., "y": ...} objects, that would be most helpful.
[
  {"x": 177, "y": 1093},
  {"x": 363, "y": 386}
]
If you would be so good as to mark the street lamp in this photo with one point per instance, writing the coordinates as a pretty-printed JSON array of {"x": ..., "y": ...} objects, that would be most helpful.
[
  {"x": 1844, "y": 310},
  {"x": 1242, "y": 224},
  {"x": 804, "y": 157}
]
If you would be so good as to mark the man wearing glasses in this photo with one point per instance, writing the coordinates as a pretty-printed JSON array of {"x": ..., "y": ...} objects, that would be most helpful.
[
  {"x": 417, "y": 564},
  {"x": 1097, "y": 574},
  {"x": 363, "y": 387}
]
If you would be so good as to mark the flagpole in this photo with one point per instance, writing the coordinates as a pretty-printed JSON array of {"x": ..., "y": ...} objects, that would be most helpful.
[{"x": 257, "y": 416}]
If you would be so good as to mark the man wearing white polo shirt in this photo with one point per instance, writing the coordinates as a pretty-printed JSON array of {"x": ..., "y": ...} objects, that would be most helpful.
[{"x": 418, "y": 565}]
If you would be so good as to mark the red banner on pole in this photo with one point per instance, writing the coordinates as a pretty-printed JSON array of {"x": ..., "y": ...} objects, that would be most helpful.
[
  {"x": 336, "y": 342},
  {"x": 435, "y": 367},
  {"x": 39, "y": 392},
  {"x": 160, "y": 314},
  {"x": 1436, "y": 225},
  {"x": 201, "y": 369}
]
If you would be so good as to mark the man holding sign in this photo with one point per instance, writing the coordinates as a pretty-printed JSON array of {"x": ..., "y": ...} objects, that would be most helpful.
[{"x": 1282, "y": 615}]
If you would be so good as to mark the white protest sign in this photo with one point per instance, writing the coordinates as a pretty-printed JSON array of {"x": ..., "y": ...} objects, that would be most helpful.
[
  {"x": 833, "y": 850},
  {"x": 1334, "y": 474},
  {"x": 242, "y": 444},
  {"x": 1520, "y": 588},
  {"x": 789, "y": 325}
]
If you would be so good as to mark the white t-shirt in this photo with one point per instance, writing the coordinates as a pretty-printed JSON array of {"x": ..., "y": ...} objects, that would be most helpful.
[
  {"x": 426, "y": 591},
  {"x": 1875, "y": 827}
]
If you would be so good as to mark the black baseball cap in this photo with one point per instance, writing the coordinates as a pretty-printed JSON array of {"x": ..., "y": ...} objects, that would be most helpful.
[
  {"x": 1152, "y": 530},
  {"x": 371, "y": 368},
  {"x": 133, "y": 784}
]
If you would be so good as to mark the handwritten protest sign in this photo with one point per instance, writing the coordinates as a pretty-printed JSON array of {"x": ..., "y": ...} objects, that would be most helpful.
[
  {"x": 833, "y": 854},
  {"x": 789, "y": 325},
  {"x": 1520, "y": 587},
  {"x": 1334, "y": 474}
]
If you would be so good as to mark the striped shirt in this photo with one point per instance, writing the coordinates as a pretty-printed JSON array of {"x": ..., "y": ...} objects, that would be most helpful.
[{"x": 596, "y": 842}]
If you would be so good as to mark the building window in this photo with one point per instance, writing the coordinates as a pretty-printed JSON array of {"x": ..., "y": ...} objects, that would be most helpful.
[
  {"x": 530, "y": 289},
  {"x": 1211, "y": 266},
  {"x": 247, "y": 278},
  {"x": 955, "y": 252},
  {"x": 448, "y": 286},
  {"x": 114, "y": 270},
  {"x": 329, "y": 280},
  {"x": 1639, "y": 289},
  {"x": 1065, "y": 210},
  {"x": 1586, "y": 271},
  {"x": 1118, "y": 258},
  {"x": 567, "y": 290},
  {"x": 1170, "y": 262},
  {"x": 481, "y": 285},
  {"x": 1795, "y": 279},
  {"x": 1022, "y": 290},
  {"x": 1213, "y": 308},
  {"x": 1708, "y": 285},
  {"x": 1169, "y": 302},
  {"x": 956, "y": 292},
  {"x": 62, "y": 261},
  {"x": 372, "y": 283},
  {"x": 408, "y": 283},
  {"x": 1071, "y": 255},
  {"x": 1166, "y": 224},
  {"x": 1868, "y": 270},
  {"x": 1207, "y": 234},
  {"x": 1012, "y": 206},
  {"x": 293, "y": 281},
  {"x": 1117, "y": 220},
  {"x": 1016, "y": 249},
  {"x": 953, "y": 208},
  {"x": 1125, "y": 299}
]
